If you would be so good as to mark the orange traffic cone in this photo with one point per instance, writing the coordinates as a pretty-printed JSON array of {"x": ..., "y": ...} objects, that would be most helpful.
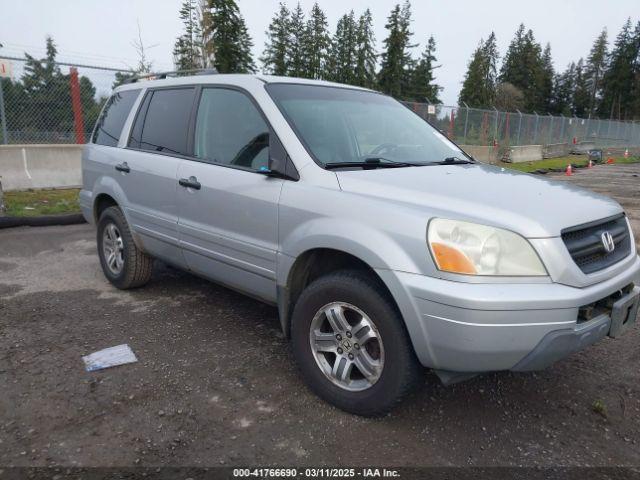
[
  {"x": 569, "y": 171},
  {"x": 590, "y": 164},
  {"x": 610, "y": 160}
]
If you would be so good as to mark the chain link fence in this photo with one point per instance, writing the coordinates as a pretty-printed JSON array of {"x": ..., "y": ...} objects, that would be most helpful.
[
  {"x": 52, "y": 103},
  {"x": 475, "y": 126}
]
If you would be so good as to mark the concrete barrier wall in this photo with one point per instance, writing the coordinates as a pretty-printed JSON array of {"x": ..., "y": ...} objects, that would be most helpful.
[
  {"x": 555, "y": 150},
  {"x": 525, "y": 153},
  {"x": 481, "y": 153},
  {"x": 40, "y": 166}
]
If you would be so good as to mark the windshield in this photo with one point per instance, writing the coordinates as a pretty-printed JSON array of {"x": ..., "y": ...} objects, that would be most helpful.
[{"x": 339, "y": 125}]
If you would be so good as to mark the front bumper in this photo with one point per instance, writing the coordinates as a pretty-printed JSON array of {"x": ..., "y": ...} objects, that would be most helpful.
[{"x": 472, "y": 327}]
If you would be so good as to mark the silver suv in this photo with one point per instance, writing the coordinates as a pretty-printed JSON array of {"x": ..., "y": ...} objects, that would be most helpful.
[{"x": 384, "y": 246}]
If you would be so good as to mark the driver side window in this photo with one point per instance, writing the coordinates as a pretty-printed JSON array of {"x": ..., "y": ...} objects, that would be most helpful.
[{"x": 230, "y": 130}]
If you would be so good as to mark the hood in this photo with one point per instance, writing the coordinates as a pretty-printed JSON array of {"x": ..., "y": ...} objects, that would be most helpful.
[{"x": 530, "y": 205}]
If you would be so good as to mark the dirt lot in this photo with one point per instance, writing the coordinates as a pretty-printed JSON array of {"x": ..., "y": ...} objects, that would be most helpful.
[{"x": 215, "y": 385}]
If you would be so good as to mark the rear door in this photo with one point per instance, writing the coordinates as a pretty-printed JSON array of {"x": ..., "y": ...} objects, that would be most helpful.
[
  {"x": 228, "y": 220},
  {"x": 149, "y": 166},
  {"x": 100, "y": 157}
]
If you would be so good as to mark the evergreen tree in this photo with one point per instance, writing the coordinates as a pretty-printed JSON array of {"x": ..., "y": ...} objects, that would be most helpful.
[
  {"x": 244, "y": 62},
  {"x": 581, "y": 93},
  {"x": 365, "y": 74},
  {"x": 473, "y": 92},
  {"x": 46, "y": 92},
  {"x": 14, "y": 96},
  {"x": 563, "y": 91},
  {"x": 41, "y": 72},
  {"x": 524, "y": 68},
  {"x": 317, "y": 42},
  {"x": 274, "y": 57},
  {"x": 343, "y": 55},
  {"x": 479, "y": 86},
  {"x": 490, "y": 70},
  {"x": 226, "y": 40},
  {"x": 295, "y": 55},
  {"x": 46, "y": 97},
  {"x": 512, "y": 70},
  {"x": 396, "y": 62},
  {"x": 186, "y": 54},
  {"x": 422, "y": 87},
  {"x": 545, "y": 82},
  {"x": 618, "y": 81},
  {"x": 635, "y": 90},
  {"x": 595, "y": 68}
]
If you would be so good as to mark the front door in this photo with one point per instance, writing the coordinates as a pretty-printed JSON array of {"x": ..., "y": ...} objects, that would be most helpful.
[{"x": 228, "y": 213}]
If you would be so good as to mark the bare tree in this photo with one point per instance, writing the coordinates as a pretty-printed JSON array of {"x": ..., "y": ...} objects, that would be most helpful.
[
  {"x": 509, "y": 97},
  {"x": 144, "y": 65}
]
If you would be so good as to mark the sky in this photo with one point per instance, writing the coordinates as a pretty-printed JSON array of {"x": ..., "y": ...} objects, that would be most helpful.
[{"x": 103, "y": 32}]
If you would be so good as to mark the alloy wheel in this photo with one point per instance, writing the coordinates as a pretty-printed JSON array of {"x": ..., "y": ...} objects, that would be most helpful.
[
  {"x": 113, "y": 248},
  {"x": 346, "y": 346}
]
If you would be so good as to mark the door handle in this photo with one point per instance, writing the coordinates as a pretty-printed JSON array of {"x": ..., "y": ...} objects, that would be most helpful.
[
  {"x": 191, "y": 182},
  {"x": 123, "y": 167}
]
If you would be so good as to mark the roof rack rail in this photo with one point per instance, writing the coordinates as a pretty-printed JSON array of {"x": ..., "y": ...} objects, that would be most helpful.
[{"x": 175, "y": 73}]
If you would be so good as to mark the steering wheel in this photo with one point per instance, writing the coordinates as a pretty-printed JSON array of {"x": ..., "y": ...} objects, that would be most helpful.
[{"x": 384, "y": 147}]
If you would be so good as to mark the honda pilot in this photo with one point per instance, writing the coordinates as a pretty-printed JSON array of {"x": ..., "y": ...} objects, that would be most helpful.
[{"x": 385, "y": 248}]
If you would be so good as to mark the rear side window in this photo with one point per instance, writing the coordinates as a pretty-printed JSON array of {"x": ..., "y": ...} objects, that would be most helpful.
[
  {"x": 115, "y": 113},
  {"x": 230, "y": 130},
  {"x": 163, "y": 121}
]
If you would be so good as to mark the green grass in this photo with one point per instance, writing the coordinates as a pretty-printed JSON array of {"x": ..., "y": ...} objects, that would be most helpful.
[
  {"x": 31, "y": 203},
  {"x": 561, "y": 162}
]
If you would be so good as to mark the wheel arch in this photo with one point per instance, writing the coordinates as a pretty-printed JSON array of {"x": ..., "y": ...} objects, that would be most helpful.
[
  {"x": 313, "y": 264},
  {"x": 108, "y": 193},
  {"x": 101, "y": 203}
]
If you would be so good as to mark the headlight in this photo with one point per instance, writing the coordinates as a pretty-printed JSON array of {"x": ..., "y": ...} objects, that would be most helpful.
[{"x": 473, "y": 249}]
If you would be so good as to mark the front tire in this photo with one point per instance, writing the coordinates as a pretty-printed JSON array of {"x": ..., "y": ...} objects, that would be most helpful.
[
  {"x": 351, "y": 345},
  {"x": 123, "y": 263}
]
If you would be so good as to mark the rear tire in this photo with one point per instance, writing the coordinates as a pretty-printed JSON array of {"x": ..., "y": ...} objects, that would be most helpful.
[
  {"x": 123, "y": 263},
  {"x": 376, "y": 367}
]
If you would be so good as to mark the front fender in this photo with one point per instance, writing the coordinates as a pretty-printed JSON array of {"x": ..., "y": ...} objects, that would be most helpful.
[{"x": 375, "y": 247}]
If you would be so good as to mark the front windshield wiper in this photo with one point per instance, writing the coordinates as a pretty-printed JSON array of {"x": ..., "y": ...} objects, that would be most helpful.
[
  {"x": 453, "y": 161},
  {"x": 370, "y": 163}
]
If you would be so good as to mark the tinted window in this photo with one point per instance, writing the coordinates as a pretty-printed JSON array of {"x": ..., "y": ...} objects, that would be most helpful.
[
  {"x": 230, "y": 130},
  {"x": 166, "y": 121},
  {"x": 110, "y": 123}
]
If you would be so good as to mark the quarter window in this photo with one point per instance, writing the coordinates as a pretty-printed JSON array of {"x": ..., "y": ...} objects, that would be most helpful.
[
  {"x": 230, "y": 130},
  {"x": 115, "y": 113},
  {"x": 165, "y": 122}
]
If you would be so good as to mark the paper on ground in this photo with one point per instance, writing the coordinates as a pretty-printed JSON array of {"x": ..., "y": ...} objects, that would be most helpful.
[{"x": 109, "y": 357}]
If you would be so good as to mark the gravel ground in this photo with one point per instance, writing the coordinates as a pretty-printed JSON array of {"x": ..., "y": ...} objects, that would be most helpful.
[{"x": 215, "y": 384}]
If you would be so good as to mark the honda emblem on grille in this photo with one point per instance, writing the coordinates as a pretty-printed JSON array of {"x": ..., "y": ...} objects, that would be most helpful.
[{"x": 607, "y": 242}]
